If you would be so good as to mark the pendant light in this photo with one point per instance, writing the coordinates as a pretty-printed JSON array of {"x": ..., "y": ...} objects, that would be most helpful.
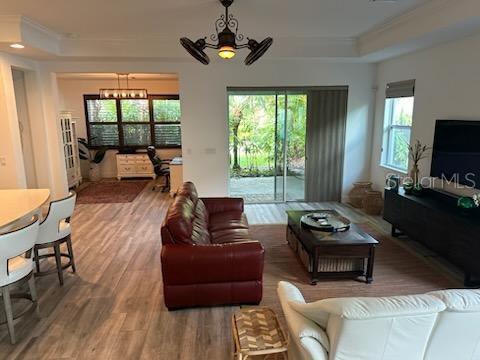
[
  {"x": 123, "y": 93},
  {"x": 226, "y": 37}
]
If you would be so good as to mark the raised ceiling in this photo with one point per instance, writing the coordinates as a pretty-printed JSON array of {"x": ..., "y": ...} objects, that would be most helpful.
[
  {"x": 126, "y": 19},
  {"x": 150, "y": 29}
]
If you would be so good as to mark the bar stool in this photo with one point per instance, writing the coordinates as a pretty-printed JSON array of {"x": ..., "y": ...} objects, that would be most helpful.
[
  {"x": 55, "y": 230},
  {"x": 16, "y": 268}
]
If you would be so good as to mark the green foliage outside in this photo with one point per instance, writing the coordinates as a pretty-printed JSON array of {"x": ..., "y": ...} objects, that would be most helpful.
[
  {"x": 166, "y": 110},
  {"x": 255, "y": 139},
  {"x": 402, "y": 115},
  {"x": 132, "y": 110}
]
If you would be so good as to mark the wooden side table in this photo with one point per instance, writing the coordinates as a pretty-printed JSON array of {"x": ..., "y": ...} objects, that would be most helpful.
[{"x": 257, "y": 332}]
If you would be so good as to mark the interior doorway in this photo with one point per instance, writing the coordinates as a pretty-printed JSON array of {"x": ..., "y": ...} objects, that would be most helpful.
[
  {"x": 267, "y": 144},
  {"x": 24, "y": 124}
]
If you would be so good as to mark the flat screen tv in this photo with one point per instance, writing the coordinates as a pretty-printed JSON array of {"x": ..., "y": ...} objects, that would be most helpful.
[{"x": 456, "y": 152}]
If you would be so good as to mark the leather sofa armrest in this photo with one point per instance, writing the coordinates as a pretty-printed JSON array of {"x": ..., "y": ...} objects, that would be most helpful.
[
  {"x": 217, "y": 205},
  {"x": 202, "y": 264}
]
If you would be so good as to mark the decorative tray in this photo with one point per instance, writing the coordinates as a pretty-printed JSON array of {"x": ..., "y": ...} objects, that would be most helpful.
[{"x": 323, "y": 221}]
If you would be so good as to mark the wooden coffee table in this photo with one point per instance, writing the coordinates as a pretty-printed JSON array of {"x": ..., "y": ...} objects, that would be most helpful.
[{"x": 325, "y": 254}]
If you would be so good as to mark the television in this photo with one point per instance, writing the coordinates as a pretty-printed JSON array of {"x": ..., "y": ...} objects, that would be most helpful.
[{"x": 456, "y": 152}]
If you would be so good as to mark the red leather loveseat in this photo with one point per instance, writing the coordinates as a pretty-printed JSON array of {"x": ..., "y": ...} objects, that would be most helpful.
[{"x": 207, "y": 255}]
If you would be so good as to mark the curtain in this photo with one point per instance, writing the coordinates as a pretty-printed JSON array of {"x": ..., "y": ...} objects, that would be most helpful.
[{"x": 325, "y": 147}]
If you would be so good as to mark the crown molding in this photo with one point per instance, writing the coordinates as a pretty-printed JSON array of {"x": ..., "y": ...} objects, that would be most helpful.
[
  {"x": 420, "y": 27},
  {"x": 433, "y": 22},
  {"x": 33, "y": 25}
]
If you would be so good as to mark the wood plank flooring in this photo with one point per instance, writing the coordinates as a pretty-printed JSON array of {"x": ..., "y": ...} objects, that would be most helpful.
[{"x": 113, "y": 307}]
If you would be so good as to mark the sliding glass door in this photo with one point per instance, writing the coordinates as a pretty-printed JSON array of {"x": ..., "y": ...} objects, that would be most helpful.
[{"x": 267, "y": 144}]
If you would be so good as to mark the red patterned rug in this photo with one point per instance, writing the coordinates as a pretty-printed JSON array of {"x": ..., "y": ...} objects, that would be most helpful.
[{"x": 111, "y": 191}]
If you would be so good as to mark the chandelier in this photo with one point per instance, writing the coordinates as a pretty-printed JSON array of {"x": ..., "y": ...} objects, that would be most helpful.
[
  {"x": 226, "y": 38},
  {"x": 123, "y": 93}
]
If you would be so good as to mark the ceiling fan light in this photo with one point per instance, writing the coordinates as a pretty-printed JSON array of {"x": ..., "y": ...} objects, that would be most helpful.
[{"x": 226, "y": 52}]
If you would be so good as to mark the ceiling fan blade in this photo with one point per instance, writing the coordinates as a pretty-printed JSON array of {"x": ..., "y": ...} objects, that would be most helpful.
[
  {"x": 257, "y": 50},
  {"x": 195, "y": 49}
]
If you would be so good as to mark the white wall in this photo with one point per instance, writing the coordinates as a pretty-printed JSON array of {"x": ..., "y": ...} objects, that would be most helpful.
[
  {"x": 205, "y": 112},
  {"x": 204, "y": 107},
  {"x": 447, "y": 87},
  {"x": 42, "y": 105},
  {"x": 21, "y": 100},
  {"x": 71, "y": 93}
]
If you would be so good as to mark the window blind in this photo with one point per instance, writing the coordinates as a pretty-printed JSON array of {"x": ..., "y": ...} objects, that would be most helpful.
[{"x": 400, "y": 89}]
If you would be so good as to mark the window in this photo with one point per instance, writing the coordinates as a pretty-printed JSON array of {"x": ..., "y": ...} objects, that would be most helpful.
[
  {"x": 133, "y": 123},
  {"x": 398, "y": 124}
]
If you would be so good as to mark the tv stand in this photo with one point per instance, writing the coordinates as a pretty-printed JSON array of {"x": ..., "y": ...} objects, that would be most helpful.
[{"x": 434, "y": 220}]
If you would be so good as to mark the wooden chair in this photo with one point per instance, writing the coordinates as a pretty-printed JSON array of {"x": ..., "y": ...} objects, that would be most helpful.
[
  {"x": 16, "y": 268},
  {"x": 55, "y": 230}
]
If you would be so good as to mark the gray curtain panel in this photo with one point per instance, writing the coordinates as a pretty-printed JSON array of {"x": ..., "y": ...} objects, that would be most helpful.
[{"x": 326, "y": 126}]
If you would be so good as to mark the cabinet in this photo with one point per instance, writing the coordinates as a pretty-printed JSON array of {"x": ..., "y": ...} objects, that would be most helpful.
[
  {"x": 68, "y": 126},
  {"x": 434, "y": 220},
  {"x": 134, "y": 165}
]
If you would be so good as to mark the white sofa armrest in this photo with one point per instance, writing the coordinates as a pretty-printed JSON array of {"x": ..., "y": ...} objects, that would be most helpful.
[
  {"x": 313, "y": 349},
  {"x": 306, "y": 334}
]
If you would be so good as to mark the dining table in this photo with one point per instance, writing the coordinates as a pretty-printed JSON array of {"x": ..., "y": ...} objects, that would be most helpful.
[{"x": 18, "y": 205}]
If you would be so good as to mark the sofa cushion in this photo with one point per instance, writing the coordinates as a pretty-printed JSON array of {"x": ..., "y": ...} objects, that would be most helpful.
[
  {"x": 361, "y": 308},
  {"x": 189, "y": 191},
  {"x": 200, "y": 233},
  {"x": 179, "y": 220},
  {"x": 227, "y": 220},
  {"x": 229, "y": 235},
  {"x": 460, "y": 300}
]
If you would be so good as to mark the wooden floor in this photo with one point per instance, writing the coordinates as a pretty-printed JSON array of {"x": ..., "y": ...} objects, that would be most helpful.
[{"x": 112, "y": 308}]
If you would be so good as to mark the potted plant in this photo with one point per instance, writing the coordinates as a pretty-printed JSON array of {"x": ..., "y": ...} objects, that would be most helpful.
[{"x": 93, "y": 157}]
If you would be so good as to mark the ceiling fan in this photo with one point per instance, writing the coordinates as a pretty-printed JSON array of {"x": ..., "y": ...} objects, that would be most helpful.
[{"x": 226, "y": 38}]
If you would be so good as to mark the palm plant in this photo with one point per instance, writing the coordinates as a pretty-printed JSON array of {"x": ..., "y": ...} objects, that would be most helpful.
[
  {"x": 93, "y": 157},
  {"x": 85, "y": 152}
]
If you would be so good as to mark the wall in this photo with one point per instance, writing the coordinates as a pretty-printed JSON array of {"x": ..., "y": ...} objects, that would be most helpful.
[
  {"x": 40, "y": 89},
  {"x": 21, "y": 100},
  {"x": 205, "y": 112},
  {"x": 71, "y": 93},
  {"x": 204, "y": 107},
  {"x": 447, "y": 83}
]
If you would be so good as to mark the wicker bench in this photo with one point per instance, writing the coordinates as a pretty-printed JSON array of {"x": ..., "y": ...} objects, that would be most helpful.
[{"x": 257, "y": 332}]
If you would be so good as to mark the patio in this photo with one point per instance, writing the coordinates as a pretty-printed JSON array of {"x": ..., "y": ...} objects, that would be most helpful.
[{"x": 262, "y": 189}]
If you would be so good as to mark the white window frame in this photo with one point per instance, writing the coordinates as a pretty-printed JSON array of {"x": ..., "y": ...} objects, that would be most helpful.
[{"x": 388, "y": 128}]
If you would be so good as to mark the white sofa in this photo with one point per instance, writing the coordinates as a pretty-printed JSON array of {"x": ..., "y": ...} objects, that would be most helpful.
[{"x": 441, "y": 325}]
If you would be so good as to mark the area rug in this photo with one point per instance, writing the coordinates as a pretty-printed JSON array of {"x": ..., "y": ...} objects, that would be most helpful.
[
  {"x": 397, "y": 271},
  {"x": 111, "y": 191}
]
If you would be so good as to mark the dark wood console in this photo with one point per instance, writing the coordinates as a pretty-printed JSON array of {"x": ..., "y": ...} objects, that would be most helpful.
[{"x": 434, "y": 220}]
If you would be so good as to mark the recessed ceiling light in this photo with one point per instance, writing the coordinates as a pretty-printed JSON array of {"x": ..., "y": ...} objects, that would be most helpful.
[{"x": 17, "y": 46}]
